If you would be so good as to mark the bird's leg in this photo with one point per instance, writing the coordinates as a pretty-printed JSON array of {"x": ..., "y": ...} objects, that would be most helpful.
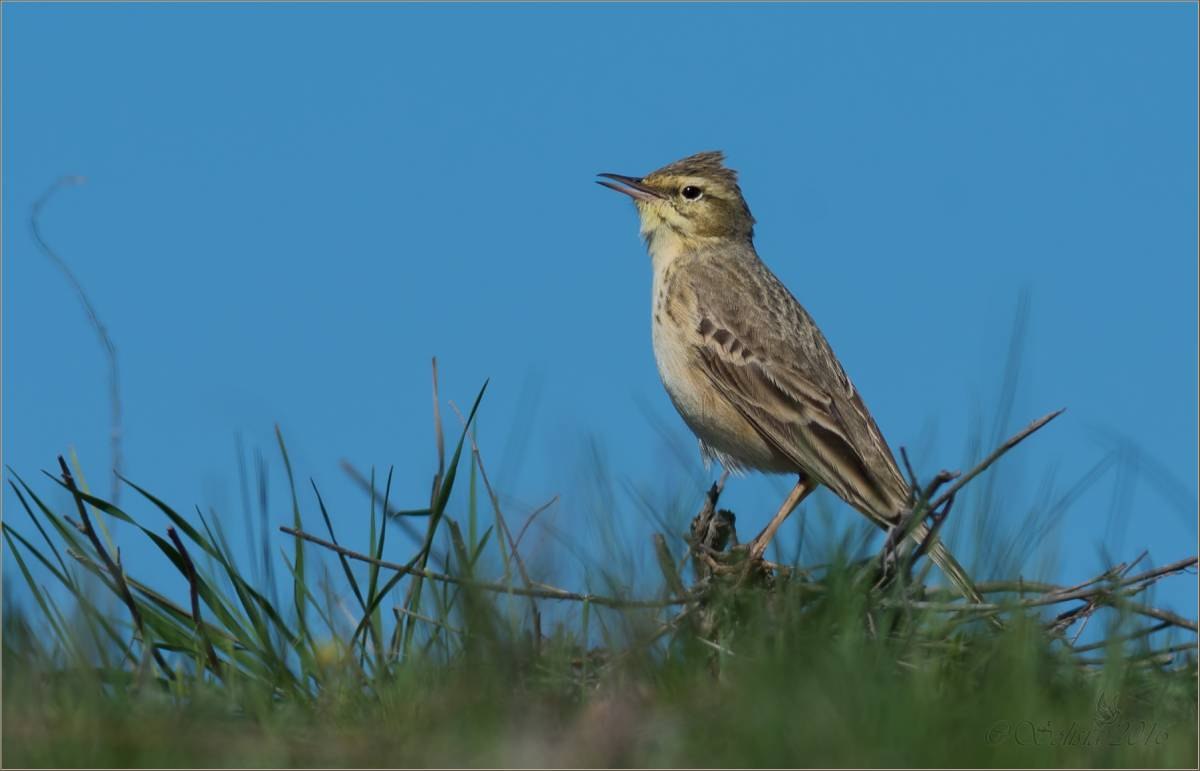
[{"x": 803, "y": 487}]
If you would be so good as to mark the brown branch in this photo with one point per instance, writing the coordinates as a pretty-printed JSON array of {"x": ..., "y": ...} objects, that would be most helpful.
[
  {"x": 941, "y": 478},
  {"x": 1143, "y": 632},
  {"x": 1163, "y": 653},
  {"x": 939, "y": 519},
  {"x": 1178, "y": 566},
  {"x": 988, "y": 608},
  {"x": 1063, "y": 594},
  {"x": 532, "y": 516},
  {"x": 1065, "y": 620},
  {"x": 1012, "y": 442},
  {"x": 546, "y": 592},
  {"x": 398, "y": 611},
  {"x": 1162, "y": 615}
]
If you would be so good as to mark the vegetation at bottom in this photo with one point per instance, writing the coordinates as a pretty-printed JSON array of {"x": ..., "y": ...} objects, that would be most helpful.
[{"x": 328, "y": 654}]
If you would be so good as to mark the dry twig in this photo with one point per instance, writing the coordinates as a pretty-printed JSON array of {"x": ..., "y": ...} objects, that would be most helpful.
[
  {"x": 541, "y": 591},
  {"x": 106, "y": 342}
]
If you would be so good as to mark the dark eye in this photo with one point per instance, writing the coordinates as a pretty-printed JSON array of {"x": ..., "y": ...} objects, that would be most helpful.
[{"x": 692, "y": 193}]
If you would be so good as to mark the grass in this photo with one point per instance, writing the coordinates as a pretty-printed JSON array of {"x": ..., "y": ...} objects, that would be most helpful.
[{"x": 440, "y": 660}]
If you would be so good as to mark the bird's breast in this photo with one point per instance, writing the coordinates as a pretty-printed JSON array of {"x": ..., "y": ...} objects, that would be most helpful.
[{"x": 720, "y": 427}]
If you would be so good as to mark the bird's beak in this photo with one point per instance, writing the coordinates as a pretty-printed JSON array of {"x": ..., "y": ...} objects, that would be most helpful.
[{"x": 632, "y": 187}]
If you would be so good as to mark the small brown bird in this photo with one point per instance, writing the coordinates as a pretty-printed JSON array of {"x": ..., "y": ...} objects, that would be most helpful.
[{"x": 744, "y": 363}]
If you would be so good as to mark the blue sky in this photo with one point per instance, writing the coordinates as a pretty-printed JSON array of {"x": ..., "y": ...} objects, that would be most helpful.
[{"x": 291, "y": 208}]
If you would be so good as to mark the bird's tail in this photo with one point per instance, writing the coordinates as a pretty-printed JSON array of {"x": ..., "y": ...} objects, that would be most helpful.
[{"x": 945, "y": 560}]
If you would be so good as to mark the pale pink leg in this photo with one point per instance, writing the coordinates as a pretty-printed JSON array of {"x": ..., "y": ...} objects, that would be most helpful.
[{"x": 758, "y": 546}]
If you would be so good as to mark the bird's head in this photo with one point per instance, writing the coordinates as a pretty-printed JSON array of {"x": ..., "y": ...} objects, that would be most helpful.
[{"x": 691, "y": 199}]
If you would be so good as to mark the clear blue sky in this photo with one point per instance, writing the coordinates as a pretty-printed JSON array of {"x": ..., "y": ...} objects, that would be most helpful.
[{"x": 290, "y": 209}]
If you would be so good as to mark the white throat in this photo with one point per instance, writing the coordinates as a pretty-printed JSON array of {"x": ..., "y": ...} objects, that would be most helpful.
[{"x": 664, "y": 245}]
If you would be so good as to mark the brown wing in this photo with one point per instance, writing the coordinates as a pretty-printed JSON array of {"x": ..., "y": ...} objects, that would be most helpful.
[{"x": 787, "y": 383}]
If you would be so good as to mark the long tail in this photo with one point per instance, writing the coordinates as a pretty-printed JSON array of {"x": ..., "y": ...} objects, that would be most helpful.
[{"x": 945, "y": 560}]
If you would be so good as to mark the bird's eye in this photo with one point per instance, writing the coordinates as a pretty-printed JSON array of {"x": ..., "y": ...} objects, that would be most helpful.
[{"x": 691, "y": 192}]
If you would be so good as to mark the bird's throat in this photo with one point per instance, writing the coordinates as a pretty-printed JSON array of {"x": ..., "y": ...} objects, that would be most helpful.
[{"x": 666, "y": 245}]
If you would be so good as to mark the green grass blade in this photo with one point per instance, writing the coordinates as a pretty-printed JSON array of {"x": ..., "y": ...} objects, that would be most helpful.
[
  {"x": 439, "y": 508},
  {"x": 37, "y": 523},
  {"x": 341, "y": 557},
  {"x": 299, "y": 590},
  {"x": 61, "y": 633}
]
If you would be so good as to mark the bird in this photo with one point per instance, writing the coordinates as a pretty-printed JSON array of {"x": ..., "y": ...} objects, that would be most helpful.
[{"x": 744, "y": 363}]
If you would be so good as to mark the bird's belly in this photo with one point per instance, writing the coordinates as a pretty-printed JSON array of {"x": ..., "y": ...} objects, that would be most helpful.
[{"x": 714, "y": 421}]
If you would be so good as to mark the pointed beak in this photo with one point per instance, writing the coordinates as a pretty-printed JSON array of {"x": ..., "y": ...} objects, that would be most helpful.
[{"x": 631, "y": 186}]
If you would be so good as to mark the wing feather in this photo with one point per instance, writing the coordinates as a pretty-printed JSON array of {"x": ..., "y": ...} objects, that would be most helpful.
[{"x": 827, "y": 433}]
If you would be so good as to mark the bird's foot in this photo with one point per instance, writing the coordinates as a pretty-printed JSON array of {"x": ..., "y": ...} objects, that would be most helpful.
[{"x": 757, "y": 548}]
